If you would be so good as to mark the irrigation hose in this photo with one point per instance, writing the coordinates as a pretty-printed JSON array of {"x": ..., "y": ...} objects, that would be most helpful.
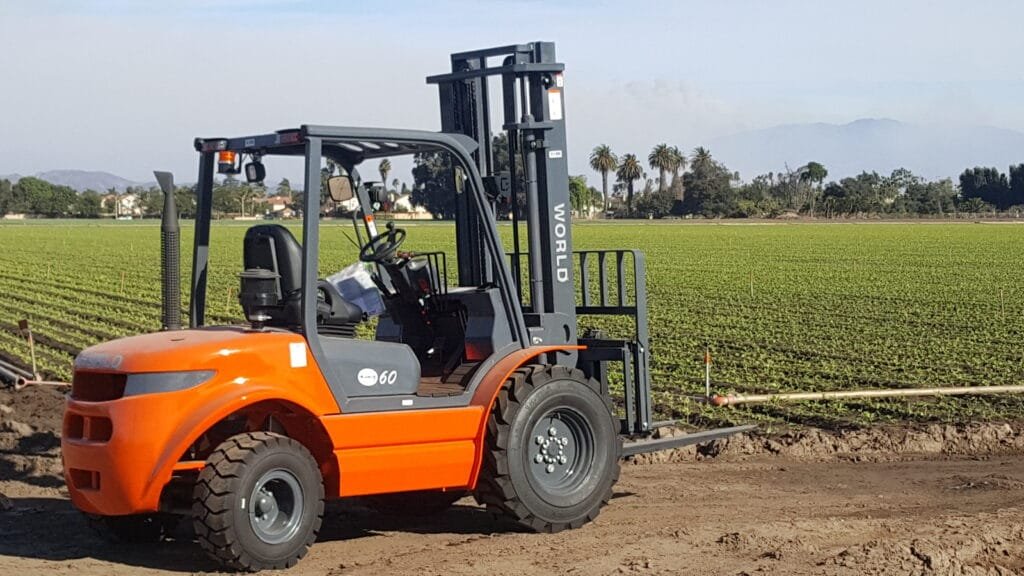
[
  {"x": 733, "y": 399},
  {"x": 22, "y": 383}
]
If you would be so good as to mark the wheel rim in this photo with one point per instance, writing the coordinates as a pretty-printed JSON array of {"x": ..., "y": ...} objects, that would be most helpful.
[
  {"x": 561, "y": 451},
  {"x": 275, "y": 506}
]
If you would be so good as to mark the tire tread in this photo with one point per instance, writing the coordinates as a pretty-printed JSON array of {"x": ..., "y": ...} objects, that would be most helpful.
[
  {"x": 495, "y": 488},
  {"x": 212, "y": 500}
]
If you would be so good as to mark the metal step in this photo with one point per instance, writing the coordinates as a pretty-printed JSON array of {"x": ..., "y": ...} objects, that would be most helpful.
[{"x": 635, "y": 447}]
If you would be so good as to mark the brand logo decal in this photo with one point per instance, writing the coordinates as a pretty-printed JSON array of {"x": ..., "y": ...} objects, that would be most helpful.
[
  {"x": 367, "y": 377},
  {"x": 561, "y": 244},
  {"x": 370, "y": 377}
]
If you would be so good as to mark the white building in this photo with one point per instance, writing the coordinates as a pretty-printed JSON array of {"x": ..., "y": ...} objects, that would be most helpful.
[
  {"x": 404, "y": 203},
  {"x": 121, "y": 205}
]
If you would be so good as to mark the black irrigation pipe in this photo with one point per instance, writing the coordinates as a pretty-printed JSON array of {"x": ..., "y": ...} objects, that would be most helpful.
[
  {"x": 16, "y": 370},
  {"x": 8, "y": 376}
]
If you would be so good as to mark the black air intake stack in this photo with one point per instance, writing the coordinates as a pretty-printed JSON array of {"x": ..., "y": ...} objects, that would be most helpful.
[{"x": 170, "y": 256}]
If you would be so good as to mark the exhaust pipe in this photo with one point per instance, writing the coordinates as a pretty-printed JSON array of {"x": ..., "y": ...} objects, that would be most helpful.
[{"x": 170, "y": 255}]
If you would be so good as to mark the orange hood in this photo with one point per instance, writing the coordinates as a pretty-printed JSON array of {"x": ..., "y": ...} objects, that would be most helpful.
[{"x": 195, "y": 349}]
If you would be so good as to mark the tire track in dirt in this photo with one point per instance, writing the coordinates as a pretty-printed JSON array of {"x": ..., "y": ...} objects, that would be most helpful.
[{"x": 928, "y": 500}]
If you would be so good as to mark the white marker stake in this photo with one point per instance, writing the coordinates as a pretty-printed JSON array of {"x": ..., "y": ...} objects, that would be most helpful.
[{"x": 707, "y": 373}]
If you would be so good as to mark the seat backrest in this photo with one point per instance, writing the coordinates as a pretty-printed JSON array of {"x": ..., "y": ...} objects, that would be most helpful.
[{"x": 273, "y": 247}]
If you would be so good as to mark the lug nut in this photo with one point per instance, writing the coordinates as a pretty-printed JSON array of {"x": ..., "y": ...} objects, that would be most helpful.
[
  {"x": 552, "y": 431},
  {"x": 539, "y": 440},
  {"x": 550, "y": 468},
  {"x": 561, "y": 459},
  {"x": 538, "y": 458}
]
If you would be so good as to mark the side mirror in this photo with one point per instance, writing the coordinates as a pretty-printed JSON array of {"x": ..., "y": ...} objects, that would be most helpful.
[{"x": 340, "y": 188}]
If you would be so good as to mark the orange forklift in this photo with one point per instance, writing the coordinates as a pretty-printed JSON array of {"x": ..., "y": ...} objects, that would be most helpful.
[{"x": 481, "y": 387}]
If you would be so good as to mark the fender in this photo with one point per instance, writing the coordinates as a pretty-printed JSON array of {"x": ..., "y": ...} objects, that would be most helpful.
[
  {"x": 217, "y": 403},
  {"x": 487, "y": 392}
]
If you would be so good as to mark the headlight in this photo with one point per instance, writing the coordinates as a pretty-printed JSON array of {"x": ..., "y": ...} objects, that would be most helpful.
[{"x": 154, "y": 382}]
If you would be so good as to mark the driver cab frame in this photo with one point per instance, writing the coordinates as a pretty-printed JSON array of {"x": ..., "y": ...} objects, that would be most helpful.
[{"x": 497, "y": 317}]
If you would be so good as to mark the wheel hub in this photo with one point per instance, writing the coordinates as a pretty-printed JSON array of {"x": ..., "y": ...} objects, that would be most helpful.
[
  {"x": 551, "y": 448},
  {"x": 266, "y": 507},
  {"x": 275, "y": 509},
  {"x": 561, "y": 451}
]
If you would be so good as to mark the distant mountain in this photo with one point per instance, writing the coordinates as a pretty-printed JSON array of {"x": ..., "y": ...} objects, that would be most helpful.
[
  {"x": 86, "y": 180},
  {"x": 880, "y": 145},
  {"x": 12, "y": 178}
]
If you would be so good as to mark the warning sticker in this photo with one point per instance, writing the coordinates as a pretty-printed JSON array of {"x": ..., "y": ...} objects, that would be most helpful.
[
  {"x": 297, "y": 354},
  {"x": 555, "y": 104}
]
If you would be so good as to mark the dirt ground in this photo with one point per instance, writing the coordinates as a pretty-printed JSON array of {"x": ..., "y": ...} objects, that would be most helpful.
[{"x": 924, "y": 500}]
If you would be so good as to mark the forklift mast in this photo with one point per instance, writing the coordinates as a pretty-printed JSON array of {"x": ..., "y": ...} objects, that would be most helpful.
[
  {"x": 534, "y": 124},
  {"x": 533, "y": 121}
]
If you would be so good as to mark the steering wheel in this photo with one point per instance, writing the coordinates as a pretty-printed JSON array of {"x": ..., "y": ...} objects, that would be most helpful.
[{"x": 382, "y": 247}]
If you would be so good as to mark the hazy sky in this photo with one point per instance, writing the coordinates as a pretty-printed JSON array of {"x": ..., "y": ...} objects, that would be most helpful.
[{"x": 123, "y": 86}]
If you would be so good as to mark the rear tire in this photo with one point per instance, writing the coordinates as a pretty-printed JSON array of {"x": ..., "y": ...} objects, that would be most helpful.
[
  {"x": 552, "y": 452},
  {"x": 259, "y": 502}
]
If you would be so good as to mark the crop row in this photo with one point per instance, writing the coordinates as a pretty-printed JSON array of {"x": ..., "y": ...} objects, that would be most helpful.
[{"x": 795, "y": 307}]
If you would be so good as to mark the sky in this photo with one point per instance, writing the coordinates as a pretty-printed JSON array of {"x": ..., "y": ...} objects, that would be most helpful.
[{"x": 124, "y": 86}]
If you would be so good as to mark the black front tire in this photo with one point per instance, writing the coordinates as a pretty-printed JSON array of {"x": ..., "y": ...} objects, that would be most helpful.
[
  {"x": 242, "y": 475},
  {"x": 566, "y": 484}
]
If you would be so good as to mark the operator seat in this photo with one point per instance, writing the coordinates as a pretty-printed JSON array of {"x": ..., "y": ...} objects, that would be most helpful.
[{"x": 273, "y": 247}]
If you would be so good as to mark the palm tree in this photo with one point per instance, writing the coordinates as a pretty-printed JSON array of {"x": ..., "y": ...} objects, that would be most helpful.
[
  {"x": 395, "y": 191},
  {"x": 603, "y": 160},
  {"x": 701, "y": 157},
  {"x": 679, "y": 160},
  {"x": 384, "y": 168},
  {"x": 678, "y": 165},
  {"x": 815, "y": 173},
  {"x": 662, "y": 158},
  {"x": 628, "y": 172}
]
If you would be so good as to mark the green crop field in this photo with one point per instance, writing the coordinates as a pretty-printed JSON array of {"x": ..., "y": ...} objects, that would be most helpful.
[{"x": 787, "y": 307}]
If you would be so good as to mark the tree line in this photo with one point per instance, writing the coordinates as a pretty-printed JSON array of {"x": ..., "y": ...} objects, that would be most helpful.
[
  {"x": 701, "y": 186},
  {"x": 669, "y": 183},
  {"x": 38, "y": 197},
  {"x": 677, "y": 185}
]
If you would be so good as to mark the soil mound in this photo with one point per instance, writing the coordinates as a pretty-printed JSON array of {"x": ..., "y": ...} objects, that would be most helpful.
[
  {"x": 30, "y": 423},
  {"x": 870, "y": 444}
]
